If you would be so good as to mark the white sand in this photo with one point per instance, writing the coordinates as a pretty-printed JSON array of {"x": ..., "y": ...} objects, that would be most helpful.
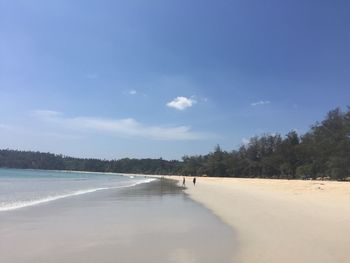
[{"x": 281, "y": 220}]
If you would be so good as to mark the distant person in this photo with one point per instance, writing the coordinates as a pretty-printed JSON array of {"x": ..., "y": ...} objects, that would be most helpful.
[
  {"x": 183, "y": 181},
  {"x": 194, "y": 181}
]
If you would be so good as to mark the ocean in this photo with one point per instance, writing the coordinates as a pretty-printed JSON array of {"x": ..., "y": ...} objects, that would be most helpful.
[{"x": 23, "y": 188}]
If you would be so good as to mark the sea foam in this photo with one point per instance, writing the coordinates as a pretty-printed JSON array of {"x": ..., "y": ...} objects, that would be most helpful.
[{"x": 8, "y": 206}]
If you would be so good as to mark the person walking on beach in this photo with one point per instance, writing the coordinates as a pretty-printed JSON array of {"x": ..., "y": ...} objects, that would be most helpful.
[
  {"x": 183, "y": 181},
  {"x": 194, "y": 181}
]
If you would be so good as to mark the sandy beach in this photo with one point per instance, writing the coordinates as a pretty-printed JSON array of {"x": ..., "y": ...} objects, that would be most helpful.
[
  {"x": 251, "y": 220},
  {"x": 281, "y": 220}
]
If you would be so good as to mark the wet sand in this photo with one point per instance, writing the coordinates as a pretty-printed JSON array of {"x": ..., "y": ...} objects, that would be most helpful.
[{"x": 154, "y": 222}]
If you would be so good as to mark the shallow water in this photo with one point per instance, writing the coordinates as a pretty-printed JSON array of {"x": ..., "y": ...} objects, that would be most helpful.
[{"x": 21, "y": 188}]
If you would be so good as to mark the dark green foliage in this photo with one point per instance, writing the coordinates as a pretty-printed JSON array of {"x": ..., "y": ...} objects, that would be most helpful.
[
  {"x": 48, "y": 161},
  {"x": 323, "y": 152},
  {"x": 326, "y": 148},
  {"x": 30, "y": 160}
]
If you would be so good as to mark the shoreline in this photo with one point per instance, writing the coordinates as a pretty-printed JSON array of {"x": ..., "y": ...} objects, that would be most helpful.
[
  {"x": 24, "y": 202},
  {"x": 275, "y": 220},
  {"x": 151, "y": 222},
  {"x": 280, "y": 220},
  {"x": 51, "y": 198}
]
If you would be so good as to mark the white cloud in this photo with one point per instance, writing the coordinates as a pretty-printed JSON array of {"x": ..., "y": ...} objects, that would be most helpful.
[
  {"x": 46, "y": 113},
  {"x": 262, "y": 102},
  {"x": 120, "y": 127},
  {"x": 132, "y": 92},
  {"x": 181, "y": 103}
]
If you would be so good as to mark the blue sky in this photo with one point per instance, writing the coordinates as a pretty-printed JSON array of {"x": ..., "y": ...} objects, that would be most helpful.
[{"x": 158, "y": 78}]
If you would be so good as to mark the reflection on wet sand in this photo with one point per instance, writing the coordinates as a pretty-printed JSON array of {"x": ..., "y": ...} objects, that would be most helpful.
[{"x": 153, "y": 222}]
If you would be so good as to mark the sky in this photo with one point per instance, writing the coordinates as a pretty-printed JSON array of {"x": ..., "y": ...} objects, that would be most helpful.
[{"x": 159, "y": 78}]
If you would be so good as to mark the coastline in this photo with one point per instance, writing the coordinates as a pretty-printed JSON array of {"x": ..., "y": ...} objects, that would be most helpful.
[
  {"x": 150, "y": 222},
  {"x": 272, "y": 220},
  {"x": 280, "y": 220},
  {"x": 40, "y": 195}
]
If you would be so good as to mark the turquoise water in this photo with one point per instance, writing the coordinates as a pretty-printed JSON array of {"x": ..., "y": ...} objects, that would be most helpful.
[{"x": 24, "y": 188}]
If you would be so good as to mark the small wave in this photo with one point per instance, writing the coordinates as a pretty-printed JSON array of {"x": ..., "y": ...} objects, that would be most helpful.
[{"x": 23, "y": 204}]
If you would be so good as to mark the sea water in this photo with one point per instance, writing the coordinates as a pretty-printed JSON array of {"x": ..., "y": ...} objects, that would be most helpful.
[{"x": 22, "y": 188}]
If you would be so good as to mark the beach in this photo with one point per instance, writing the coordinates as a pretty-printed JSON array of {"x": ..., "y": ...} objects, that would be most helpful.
[
  {"x": 217, "y": 220},
  {"x": 148, "y": 222},
  {"x": 280, "y": 220}
]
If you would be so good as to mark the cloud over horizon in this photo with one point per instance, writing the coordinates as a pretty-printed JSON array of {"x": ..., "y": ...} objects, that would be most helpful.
[
  {"x": 261, "y": 102},
  {"x": 127, "y": 127},
  {"x": 181, "y": 103}
]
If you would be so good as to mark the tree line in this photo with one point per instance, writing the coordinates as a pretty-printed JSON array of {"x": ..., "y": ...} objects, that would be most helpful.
[
  {"x": 323, "y": 152},
  {"x": 49, "y": 161}
]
